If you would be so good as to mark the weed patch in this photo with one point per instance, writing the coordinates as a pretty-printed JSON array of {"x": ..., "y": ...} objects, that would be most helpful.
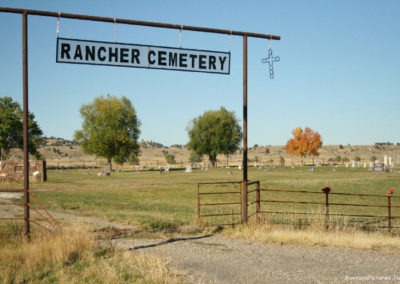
[{"x": 72, "y": 255}]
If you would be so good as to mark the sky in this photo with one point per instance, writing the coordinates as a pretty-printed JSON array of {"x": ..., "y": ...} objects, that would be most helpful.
[{"x": 339, "y": 68}]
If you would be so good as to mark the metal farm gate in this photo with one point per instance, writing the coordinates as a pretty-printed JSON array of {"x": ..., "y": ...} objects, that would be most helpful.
[{"x": 225, "y": 203}]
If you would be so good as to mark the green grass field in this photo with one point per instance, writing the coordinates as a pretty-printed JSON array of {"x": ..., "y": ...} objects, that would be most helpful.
[
  {"x": 169, "y": 200},
  {"x": 165, "y": 204}
]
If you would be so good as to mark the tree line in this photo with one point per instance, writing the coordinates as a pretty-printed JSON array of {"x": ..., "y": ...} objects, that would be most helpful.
[{"x": 111, "y": 130}]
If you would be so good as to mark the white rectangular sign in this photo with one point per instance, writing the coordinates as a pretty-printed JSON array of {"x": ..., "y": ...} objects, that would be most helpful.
[{"x": 141, "y": 56}]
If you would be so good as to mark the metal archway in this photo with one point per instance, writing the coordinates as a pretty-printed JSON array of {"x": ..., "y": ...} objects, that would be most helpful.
[{"x": 25, "y": 14}]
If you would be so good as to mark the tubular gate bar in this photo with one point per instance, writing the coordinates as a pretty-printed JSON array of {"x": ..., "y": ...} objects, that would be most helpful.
[
  {"x": 327, "y": 204},
  {"x": 256, "y": 202},
  {"x": 220, "y": 204},
  {"x": 251, "y": 204},
  {"x": 242, "y": 201},
  {"x": 43, "y": 215}
]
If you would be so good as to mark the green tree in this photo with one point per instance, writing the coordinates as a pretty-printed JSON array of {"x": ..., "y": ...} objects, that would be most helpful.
[
  {"x": 195, "y": 158},
  {"x": 169, "y": 157},
  {"x": 110, "y": 130},
  {"x": 11, "y": 129},
  {"x": 213, "y": 133},
  {"x": 338, "y": 159}
]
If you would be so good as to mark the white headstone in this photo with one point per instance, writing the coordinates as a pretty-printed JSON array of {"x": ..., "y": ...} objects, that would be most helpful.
[{"x": 188, "y": 169}]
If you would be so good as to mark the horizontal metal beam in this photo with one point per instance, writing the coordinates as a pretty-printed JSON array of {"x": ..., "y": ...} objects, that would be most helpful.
[{"x": 136, "y": 22}]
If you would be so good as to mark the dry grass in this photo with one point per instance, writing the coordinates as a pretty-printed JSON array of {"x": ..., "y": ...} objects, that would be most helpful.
[
  {"x": 72, "y": 255},
  {"x": 314, "y": 236}
]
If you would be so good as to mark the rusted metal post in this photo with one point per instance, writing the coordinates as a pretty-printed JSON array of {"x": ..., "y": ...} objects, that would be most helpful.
[
  {"x": 245, "y": 178},
  {"x": 198, "y": 204},
  {"x": 326, "y": 190},
  {"x": 389, "y": 212},
  {"x": 25, "y": 122},
  {"x": 137, "y": 23},
  {"x": 258, "y": 205},
  {"x": 326, "y": 210},
  {"x": 241, "y": 202}
]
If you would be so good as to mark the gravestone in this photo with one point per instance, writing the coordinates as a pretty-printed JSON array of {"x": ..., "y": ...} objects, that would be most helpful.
[
  {"x": 188, "y": 169},
  {"x": 378, "y": 166}
]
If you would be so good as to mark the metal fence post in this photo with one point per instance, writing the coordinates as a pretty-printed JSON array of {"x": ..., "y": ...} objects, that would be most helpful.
[
  {"x": 198, "y": 204},
  {"x": 389, "y": 212},
  {"x": 258, "y": 205},
  {"x": 389, "y": 217},
  {"x": 25, "y": 122},
  {"x": 326, "y": 190},
  {"x": 245, "y": 178},
  {"x": 245, "y": 203}
]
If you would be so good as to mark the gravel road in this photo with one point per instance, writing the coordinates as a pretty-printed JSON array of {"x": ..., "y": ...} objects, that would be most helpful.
[
  {"x": 221, "y": 260},
  {"x": 215, "y": 259}
]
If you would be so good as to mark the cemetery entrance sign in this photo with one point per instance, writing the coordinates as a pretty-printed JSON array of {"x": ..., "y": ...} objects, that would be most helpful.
[
  {"x": 141, "y": 56},
  {"x": 119, "y": 54}
]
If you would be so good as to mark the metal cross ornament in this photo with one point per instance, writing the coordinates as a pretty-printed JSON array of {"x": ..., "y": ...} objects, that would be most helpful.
[{"x": 270, "y": 60}]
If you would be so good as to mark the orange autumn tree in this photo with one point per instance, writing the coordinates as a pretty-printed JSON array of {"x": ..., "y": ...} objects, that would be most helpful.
[{"x": 304, "y": 143}]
